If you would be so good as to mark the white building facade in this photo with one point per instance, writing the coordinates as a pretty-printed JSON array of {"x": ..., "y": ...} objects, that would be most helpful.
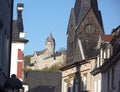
[{"x": 18, "y": 43}]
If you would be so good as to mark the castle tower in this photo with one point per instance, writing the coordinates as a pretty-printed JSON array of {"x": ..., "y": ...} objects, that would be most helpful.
[
  {"x": 84, "y": 27},
  {"x": 50, "y": 45}
]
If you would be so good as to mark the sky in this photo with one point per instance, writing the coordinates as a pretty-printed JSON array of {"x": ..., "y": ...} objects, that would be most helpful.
[{"x": 43, "y": 17}]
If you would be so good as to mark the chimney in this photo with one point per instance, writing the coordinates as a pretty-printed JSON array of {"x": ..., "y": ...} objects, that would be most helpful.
[{"x": 20, "y": 7}]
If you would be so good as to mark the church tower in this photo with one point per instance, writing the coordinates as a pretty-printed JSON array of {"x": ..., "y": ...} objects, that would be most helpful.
[
  {"x": 50, "y": 45},
  {"x": 84, "y": 27}
]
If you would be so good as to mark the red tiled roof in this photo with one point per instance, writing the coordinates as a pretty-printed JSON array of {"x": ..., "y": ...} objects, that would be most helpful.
[{"x": 107, "y": 38}]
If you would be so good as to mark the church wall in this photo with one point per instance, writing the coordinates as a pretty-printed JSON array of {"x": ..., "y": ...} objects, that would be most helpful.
[{"x": 89, "y": 40}]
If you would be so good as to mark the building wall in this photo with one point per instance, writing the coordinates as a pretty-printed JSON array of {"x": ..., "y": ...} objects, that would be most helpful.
[
  {"x": 5, "y": 38},
  {"x": 97, "y": 83},
  {"x": 67, "y": 75},
  {"x": 117, "y": 77},
  {"x": 111, "y": 78},
  {"x": 86, "y": 78},
  {"x": 88, "y": 39},
  {"x": 16, "y": 59}
]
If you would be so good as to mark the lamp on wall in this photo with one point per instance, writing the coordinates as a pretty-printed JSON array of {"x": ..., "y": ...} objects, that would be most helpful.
[{"x": 13, "y": 84}]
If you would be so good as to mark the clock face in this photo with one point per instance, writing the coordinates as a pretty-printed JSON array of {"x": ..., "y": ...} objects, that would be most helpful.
[{"x": 90, "y": 29}]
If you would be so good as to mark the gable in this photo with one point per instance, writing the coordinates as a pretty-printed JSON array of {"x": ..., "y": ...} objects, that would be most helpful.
[
  {"x": 89, "y": 39},
  {"x": 91, "y": 18},
  {"x": 71, "y": 23}
]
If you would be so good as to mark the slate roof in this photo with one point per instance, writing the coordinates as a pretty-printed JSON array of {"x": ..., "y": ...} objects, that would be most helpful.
[
  {"x": 43, "y": 89},
  {"x": 37, "y": 80},
  {"x": 15, "y": 31},
  {"x": 114, "y": 30},
  {"x": 18, "y": 27},
  {"x": 50, "y": 38},
  {"x": 39, "y": 52}
]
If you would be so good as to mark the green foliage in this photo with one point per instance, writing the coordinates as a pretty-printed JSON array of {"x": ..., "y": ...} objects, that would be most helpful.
[
  {"x": 54, "y": 68},
  {"x": 26, "y": 60},
  {"x": 45, "y": 69}
]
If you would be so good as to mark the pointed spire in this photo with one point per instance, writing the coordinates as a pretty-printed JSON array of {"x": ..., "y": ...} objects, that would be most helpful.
[
  {"x": 50, "y": 44},
  {"x": 77, "y": 9},
  {"x": 50, "y": 37},
  {"x": 82, "y": 7},
  {"x": 94, "y": 5}
]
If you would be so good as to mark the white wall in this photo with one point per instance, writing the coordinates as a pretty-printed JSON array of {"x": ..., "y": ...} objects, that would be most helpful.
[{"x": 14, "y": 56}]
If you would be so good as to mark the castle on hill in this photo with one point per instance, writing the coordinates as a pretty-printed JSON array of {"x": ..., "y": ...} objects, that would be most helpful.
[{"x": 47, "y": 57}]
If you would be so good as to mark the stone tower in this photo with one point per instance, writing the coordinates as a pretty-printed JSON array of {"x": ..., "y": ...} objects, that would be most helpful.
[
  {"x": 50, "y": 45},
  {"x": 84, "y": 27}
]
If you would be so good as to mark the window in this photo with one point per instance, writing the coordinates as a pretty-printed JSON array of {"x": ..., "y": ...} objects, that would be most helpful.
[
  {"x": 20, "y": 54},
  {"x": 84, "y": 81},
  {"x": 71, "y": 85},
  {"x": 108, "y": 53},
  {"x": 111, "y": 50},
  {"x": 104, "y": 54},
  {"x": 98, "y": 61},
  {"x": 99, "y": 85},
  {"x": 76, "y": 87},
  {"x": 95, "y": 86},
  {"x": 65, "y": 86},
  {"x": 101, "y": 56}
]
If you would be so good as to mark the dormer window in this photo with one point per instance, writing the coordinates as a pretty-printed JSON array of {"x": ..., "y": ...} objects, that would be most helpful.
[
  {"x": 105, "y": 54},
  {"x": 101, "y": 56},
  {"x": 98, "y": 61},
  {"x": 22, "y": 35},
  {"x": 108, "y": 52}
]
